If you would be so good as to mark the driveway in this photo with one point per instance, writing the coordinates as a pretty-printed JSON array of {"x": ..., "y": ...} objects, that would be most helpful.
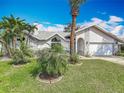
[{"x": 114, "y": 59}]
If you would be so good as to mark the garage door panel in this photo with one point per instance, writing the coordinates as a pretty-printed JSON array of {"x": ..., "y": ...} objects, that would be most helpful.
[{"x": 101, "y": 49}]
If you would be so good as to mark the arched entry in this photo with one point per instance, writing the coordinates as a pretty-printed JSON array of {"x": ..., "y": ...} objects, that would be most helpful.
[{"x": 80, "y": 46}]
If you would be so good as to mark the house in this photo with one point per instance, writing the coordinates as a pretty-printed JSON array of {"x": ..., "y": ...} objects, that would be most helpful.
[{"x": 90, "y": 40}]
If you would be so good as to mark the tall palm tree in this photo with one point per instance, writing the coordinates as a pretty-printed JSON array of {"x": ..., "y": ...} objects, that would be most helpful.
[{"x": 75, "y": 5}]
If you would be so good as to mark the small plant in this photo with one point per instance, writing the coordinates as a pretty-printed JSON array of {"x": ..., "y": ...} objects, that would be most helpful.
[
  {"x": 74, "y": 58},
  {"x": 58, "y": 48},
  {"x": 52, "y": 63},
  {"x": 25, "y": 49},
  {"x": 21, "y": 55},
  {"x": 120, "y": 54}
]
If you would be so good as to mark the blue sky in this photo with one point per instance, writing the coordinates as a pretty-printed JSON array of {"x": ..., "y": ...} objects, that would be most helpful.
[{"x": 57, "y": 12}]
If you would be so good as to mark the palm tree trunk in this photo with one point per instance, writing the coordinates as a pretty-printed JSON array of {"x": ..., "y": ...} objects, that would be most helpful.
[
  {"x": 7, "y": 47},
  {"x": 27, "y": 38},
  {"x": 8, "y": 50},
  {"x": 14, "y": 42},
  {"x": 72, "y": 36}
]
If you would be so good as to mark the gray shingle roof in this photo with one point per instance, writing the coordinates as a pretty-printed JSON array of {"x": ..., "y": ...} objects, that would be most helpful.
[
  {"x": 122, "y": 38},
  {"x": 44, "y": 35}
]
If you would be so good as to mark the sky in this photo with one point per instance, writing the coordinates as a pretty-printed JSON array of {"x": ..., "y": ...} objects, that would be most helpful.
[{"x": 54, "y": 15}]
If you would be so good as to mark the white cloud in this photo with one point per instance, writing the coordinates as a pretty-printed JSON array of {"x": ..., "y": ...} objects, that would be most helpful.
[
  {"x": 52, "y": 27},
  {"x": 117, "y": 30},
  {"x": 115, "y": 19},
  {"x": 40, "y": 26},
  {"x": 60, "y": 25},
  {"x": 112, "y": 25},
  {"x": 96, "y": 20}
]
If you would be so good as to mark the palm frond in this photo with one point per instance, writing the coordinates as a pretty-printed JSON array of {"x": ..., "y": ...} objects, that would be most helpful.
[{"x": 75, "y": 4}]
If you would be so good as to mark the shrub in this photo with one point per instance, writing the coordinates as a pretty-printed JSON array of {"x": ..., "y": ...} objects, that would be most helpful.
[
  {"x": 52, "y": 64},
  {"x": 25, "y": 49},
  {"x": 41, "y": 53},
  {"x": 120, "y": 54},
  {"x": 122, "y": 48},
  {"x": 74, "y": 58},
  {"x": 58, "y": 48},
  {"x": 19, "y": 57}
]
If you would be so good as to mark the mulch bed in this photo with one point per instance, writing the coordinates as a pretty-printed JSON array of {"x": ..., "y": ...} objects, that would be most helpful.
[
  {"x": 49, "y": 80},
  {"x": 19, "y": 65}
]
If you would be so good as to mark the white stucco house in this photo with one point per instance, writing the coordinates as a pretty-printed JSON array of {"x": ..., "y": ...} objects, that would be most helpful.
[{"x": 90, "y": 40}]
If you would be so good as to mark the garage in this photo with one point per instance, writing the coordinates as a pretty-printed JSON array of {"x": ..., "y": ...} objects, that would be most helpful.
[{"x": 101, "y": 49}]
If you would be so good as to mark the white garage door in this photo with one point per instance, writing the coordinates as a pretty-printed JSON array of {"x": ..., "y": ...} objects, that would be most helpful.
[{"x": 101, "y": 49}]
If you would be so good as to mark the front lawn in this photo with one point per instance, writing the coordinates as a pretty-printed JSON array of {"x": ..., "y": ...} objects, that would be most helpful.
[{"x": 93, "y": 76}]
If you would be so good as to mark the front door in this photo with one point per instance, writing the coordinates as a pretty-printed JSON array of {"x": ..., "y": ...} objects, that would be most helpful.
[{"x": 80, "y": 46}]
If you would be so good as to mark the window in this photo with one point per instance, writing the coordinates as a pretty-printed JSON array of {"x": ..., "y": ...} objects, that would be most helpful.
[{"x": 55, "y": 41}]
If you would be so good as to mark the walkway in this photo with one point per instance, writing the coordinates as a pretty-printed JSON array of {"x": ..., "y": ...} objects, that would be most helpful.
[
  {"x": 114, "y": 59},
  {"x": 5, "y": 59}
]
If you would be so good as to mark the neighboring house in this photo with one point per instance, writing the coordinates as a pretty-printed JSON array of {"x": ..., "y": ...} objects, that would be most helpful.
[{"x": 89, "y": 40}]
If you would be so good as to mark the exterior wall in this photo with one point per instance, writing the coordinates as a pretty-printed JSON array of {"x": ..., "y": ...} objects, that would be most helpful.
[
  {"x": 97, "y": 42},
  {"x": 101, "y": 44},
  {"x": 97, "y": 36},
  {"x": 66, "y": 45},
  {"x": 39, "y": 44}
]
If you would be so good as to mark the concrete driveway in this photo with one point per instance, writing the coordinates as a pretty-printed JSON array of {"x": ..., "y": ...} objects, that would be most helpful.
[{"x": 114, "y": 59}]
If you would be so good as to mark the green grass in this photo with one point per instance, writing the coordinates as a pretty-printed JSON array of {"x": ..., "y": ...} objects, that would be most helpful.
[{"x": 93, "y": 76}]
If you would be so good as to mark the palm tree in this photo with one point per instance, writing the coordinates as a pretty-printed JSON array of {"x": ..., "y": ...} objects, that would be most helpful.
[
  {"x": 12, "y": 28},
  {"x": 4, "y": 36},
  {"x": 30, "y": 29},
  {"x": 75, "y": 5}
]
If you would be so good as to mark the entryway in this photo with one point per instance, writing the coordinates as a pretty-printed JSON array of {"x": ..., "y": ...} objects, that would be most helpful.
[{"x": 80, "y": 46}]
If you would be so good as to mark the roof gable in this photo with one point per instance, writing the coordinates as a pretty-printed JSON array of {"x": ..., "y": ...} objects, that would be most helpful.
[{"x": 103, "y": 31}]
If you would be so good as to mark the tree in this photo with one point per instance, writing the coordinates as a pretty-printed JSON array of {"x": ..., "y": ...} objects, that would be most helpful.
[
  {"x": 11, "y": 28},
  {"x": 52, "y": 62},
  {"x": 75, "y": 5},
  {"x": 30, "y": 28},
  {"x": 67, "y": 28},
  {"x": 22, "y": 54}
]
